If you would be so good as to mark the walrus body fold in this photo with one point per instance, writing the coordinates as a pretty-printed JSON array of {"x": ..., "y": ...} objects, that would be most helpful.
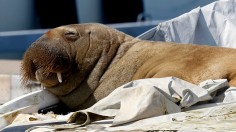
[{"x": 83, "y": 63}]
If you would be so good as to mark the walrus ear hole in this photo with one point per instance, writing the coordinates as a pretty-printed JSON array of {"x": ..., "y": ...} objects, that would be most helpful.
[{"x": 72, "y": 36}]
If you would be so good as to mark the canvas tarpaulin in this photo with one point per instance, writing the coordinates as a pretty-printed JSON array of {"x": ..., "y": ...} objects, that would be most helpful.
[
  {"x": 138, "y": 105},
  {"x": 214, "y": 24},
  {"x": 147, "y": 98}
]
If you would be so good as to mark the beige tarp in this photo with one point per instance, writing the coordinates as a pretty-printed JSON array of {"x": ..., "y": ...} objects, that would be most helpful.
[
  {"x": 152, "y": 97},
  {"x": 142, "y": 105}
]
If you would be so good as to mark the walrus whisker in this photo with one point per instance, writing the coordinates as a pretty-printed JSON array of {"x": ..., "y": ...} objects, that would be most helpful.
[{"x": 59, "y": 77}]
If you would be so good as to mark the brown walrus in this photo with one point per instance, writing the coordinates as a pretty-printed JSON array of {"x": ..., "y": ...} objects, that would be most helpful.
[{"x": 83, "y": 63}]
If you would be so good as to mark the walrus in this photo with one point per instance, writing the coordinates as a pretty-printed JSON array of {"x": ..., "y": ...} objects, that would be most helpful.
[{"x": 83, "y": 63}]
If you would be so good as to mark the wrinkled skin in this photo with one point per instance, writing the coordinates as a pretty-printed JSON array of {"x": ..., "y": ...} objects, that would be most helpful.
[{"x": 94, "y": 60}]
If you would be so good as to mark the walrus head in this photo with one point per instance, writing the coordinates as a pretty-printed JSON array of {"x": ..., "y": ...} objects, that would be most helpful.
[
  {"x": 47, "y": 58},
  {"x": 65, "y": 56}
]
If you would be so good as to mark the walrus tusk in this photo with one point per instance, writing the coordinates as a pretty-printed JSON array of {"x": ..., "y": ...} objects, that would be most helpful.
[{"x": 59, "y": 77}]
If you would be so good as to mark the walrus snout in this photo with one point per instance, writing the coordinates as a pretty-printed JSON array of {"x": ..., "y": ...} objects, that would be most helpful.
[
  {"x": 46, "y": 61},
  {"x": 52, "y": 74}
]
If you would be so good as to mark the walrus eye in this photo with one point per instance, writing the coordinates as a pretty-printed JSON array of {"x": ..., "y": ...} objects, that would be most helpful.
[{"x": 71, "y": 35}]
